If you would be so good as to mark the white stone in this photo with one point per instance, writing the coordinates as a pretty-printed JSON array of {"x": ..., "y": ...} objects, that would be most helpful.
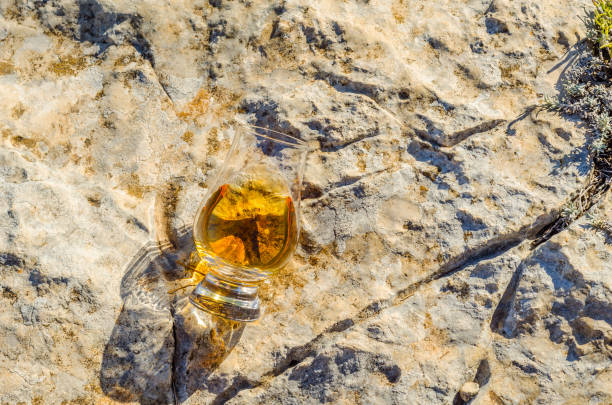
[{"x": 469, "y": 390}]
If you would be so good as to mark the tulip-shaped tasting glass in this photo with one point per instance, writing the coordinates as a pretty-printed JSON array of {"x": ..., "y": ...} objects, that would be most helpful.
[{"x": 248, "y": 224}]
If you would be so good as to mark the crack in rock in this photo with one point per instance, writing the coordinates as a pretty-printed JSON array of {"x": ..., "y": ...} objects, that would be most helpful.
[
  {"x": 460, "y": 136},
  {"x": 298, "y": 354}
]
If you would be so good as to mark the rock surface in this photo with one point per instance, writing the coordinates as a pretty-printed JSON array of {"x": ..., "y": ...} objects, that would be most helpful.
[{"x": 414, "y": 274}]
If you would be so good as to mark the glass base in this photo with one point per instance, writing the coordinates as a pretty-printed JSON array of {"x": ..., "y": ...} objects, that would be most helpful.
[{"x": 226, "y": 299}]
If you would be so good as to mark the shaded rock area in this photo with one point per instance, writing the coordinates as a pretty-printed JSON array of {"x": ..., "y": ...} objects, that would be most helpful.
[{"x": 432, "y": 174}]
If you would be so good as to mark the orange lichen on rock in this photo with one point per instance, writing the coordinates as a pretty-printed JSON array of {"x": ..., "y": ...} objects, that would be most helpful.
[{"x": 196, "y": 108}]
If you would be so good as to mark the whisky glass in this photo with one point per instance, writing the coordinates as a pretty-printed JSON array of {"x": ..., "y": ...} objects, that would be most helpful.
[{"x": 248, "y": 224}]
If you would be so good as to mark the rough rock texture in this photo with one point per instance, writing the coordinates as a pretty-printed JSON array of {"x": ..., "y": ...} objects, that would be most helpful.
[
  {"x": 414, "y": 274},
  {"x": 558, "y": 321}
]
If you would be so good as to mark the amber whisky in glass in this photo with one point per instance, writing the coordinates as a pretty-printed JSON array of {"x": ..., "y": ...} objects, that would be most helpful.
[{"x": 248, "y": 224}]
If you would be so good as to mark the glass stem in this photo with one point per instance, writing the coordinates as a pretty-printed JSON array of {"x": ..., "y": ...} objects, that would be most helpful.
[{"x": 227, "y": 299}]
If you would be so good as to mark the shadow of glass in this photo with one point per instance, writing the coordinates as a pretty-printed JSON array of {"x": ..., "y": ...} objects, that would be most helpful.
[
  {"x": 203, "y": 341},
  {"x": 162, "y": 349}
]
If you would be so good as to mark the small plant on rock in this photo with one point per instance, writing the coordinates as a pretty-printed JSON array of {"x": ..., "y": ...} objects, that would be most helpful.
[
  {"x": 602, "y": 225},
  {"x": 600, "y": 27},
  {"x": 587, "y": 91}
]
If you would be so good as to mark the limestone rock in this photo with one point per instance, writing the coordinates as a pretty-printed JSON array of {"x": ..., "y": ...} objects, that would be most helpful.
[
  {"x": 421, "y": 347},
  {"x": 432, "y": 169},
  {"x": 558, "y": 319}
]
